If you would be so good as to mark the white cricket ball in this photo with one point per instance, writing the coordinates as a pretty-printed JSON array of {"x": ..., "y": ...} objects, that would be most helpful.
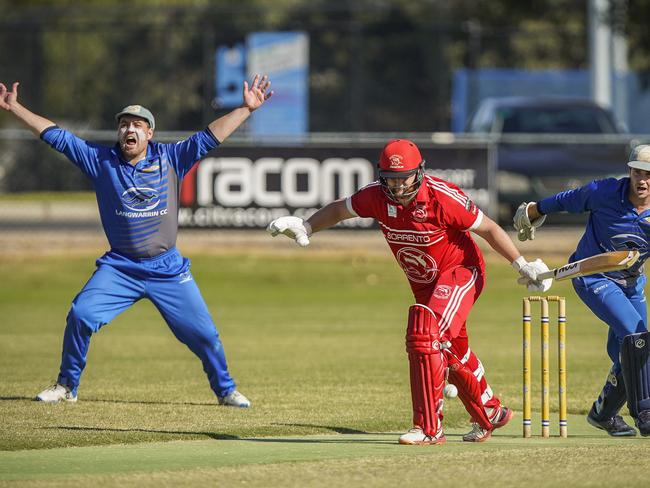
[{"x": 450, "y": 391}]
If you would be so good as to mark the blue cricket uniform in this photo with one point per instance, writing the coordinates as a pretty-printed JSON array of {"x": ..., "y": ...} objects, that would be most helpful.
[
  {"x": 138, "y": 205},
  {"x": 617, "y": 298}
]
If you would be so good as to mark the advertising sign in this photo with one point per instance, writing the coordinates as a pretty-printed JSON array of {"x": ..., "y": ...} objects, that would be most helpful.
[{"x": 236, "y": 187}]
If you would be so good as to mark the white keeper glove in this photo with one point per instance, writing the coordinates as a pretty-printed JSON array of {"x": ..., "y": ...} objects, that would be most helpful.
[
  {"x": 529, "y": 272},
  {"x": 293, "y": 227},
  {"x": 524, "y": 227}
]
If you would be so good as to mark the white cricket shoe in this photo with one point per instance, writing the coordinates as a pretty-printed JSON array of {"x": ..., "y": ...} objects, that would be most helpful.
[
  {"x": 55, "y": 394},
  {"x": 416, "y": 436},
  {"x": 235, "y": 399},
  {"x": 477, "y": 434},
  {"x": 498, "y": 418}
]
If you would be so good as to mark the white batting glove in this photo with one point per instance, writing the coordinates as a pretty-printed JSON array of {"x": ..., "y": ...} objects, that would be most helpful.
[
  {"x": 529, "y": 273},
  {"x": 293, "y": 227},
  {"x": 524, "y": 227}
]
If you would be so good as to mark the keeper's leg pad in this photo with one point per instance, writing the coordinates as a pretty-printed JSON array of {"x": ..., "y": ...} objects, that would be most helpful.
[
  {"x": 427, "y": 368},
  {"x": 612, "y": 397},
  {"x": 635, "y": 363},
  {"x": 469, "y": 390}
]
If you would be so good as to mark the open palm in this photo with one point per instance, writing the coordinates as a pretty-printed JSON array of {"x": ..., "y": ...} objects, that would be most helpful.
[
  {"x": 7, "y": 98},
  {"x": 258, "y": 92}
]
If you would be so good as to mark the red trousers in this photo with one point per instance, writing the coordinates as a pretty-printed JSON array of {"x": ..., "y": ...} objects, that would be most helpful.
[{"x": 451, "y": 300}]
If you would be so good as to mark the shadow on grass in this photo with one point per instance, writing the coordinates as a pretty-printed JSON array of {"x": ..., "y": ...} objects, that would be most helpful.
[
  {"x": 338, "y": 430},
  {"x": 211, "y": 435},
  {"x": 150, "y": 402},
  {"x": 306, "y": 440},
  {"x": 226, "y": 437},
  {"x": 134, "y": 402},
  {"x": 345, "y": 431}
]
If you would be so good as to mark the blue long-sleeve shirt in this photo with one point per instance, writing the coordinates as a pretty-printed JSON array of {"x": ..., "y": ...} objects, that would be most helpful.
[
  {"x": 138, "y": 204},
  {"x": 613, "y": 225}
]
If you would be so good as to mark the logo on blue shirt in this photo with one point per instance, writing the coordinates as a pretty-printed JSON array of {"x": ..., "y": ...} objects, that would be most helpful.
[
  {"x": 140, "y": 199},
  {"x": 629, "y": 242}
]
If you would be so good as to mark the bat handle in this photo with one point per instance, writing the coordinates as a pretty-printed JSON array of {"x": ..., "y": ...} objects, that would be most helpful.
[{"x": 546, "y": 275}]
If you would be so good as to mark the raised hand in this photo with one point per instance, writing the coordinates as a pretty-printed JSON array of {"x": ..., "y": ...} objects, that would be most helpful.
[
  {"x": 7, "y": 98},
  {"x": 258, "y": 92}
]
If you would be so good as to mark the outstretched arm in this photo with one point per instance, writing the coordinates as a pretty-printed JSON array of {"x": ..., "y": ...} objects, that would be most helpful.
[
  {"x": 9, "y": 102},
  {"x": 300, "y": 230},
  {"x": 330, "y": 215},
  {"x": 497, "y": 238},
  {"x": 254, "y": 97}
]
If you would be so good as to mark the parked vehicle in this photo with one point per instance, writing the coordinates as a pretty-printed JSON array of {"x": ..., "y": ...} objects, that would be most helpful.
[
  {"x": 542, "y": 115},
  {"x": 566, "y": 154}
]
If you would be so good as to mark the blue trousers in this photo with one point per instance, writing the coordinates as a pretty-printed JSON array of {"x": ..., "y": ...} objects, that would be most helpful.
[
  {"x": 623, "y": 309},
  {"x": 118, "y": 283}
]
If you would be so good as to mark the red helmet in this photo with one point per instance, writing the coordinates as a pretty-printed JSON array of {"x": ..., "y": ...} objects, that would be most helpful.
[{"x": 400, "y": 158}]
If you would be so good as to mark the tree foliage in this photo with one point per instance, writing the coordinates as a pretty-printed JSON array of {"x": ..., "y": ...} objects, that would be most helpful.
[{"x": 380, "y": 65}]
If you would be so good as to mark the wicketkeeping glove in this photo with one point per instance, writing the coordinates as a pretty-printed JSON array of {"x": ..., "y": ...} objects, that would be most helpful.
[
  {"x": 524, "y": 227},
  {"x": 293, "y": 227}
]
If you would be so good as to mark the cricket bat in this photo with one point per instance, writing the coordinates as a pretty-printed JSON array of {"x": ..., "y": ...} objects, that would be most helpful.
[{"x": 600, "y": 263}]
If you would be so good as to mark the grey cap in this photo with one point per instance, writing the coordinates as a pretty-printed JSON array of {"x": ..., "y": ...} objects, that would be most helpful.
[
  {"x": 137, "y": 111},
  {"x": 640, "y": 157}
]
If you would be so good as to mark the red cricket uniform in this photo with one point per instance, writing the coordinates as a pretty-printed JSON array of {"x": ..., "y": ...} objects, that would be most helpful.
[{"x": 431, "y": 242}]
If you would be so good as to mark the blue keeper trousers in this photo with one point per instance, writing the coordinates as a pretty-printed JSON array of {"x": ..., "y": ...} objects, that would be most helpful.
[
  {"x": 623, "y": 309},
  {"x": 119, "y": 282}
]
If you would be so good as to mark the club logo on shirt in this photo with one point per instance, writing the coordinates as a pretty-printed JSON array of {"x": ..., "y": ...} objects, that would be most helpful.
[
  {"x": 420, "y": 213},
  {"x": 639, "y": 343},
  {"x": 418, "y": 266},
  {"x": 140, "y": 199},
  {"x": 442, "y": 291},
  {"x": 629, "y": 242},
  {"x": 392, "y": 210}
]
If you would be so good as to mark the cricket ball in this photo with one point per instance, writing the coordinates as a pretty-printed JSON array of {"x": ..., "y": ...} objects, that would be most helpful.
[{"x": 450, "y": 391}]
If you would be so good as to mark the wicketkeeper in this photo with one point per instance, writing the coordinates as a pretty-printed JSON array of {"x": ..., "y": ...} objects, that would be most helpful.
[
  {"x": 619, "y": 220},
  {"x": 427, "y": 222},
  {"x": 137, "y": 184}
]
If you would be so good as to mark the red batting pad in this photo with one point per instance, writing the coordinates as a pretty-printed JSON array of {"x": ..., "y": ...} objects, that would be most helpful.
[
  {"x": 426, "y": 368},
  {"x": 469, "y": 390}
]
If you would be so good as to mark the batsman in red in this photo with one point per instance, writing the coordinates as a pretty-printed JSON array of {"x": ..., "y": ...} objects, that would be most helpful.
[{"x": 427, "y": 222}]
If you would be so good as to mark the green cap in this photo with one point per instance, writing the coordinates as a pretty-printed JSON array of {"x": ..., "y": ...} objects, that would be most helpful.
[{"x": 137, "y": 111}]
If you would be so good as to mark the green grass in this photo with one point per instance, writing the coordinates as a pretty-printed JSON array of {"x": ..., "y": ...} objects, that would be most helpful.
[
  {"x": 317, "y": 342},
  {"x": 334, "y": 460}
]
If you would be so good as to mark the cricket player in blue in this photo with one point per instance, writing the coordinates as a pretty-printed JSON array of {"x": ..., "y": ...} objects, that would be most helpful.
[
  {"x": 137, "y": 184},
  {"x": 619, "y": 220}
]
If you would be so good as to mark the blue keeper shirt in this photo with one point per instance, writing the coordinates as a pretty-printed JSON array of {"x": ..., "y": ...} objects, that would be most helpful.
[
  {"x": 614, "y": 224},
  {"x": 138, "y": 204}
]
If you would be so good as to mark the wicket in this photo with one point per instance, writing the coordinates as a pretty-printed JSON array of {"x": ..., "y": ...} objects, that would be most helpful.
[{"x": 545, "y": 363}]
